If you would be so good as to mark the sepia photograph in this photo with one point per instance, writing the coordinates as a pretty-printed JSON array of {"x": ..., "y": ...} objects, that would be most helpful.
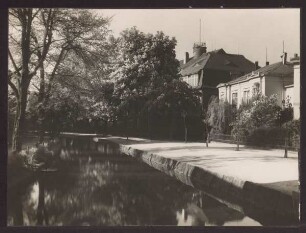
[{"x": 153, "y": 117}]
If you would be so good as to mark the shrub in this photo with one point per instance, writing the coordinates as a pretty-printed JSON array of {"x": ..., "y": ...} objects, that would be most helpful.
[
  {"x": 262, "y": 112},
  {"x": 293, "y": 131},
  {"x": 220, "y": 115},
  {"x": 266, "y": 136},
  {"x": 276, "y": 136}
]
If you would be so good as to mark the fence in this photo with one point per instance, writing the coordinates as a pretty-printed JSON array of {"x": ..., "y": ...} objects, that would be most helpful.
[
  {"x": 223, "y": 138},
  {"x": 285, "y": 143}
]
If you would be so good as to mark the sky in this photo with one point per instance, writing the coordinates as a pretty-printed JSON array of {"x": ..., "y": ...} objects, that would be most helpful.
[{"x": 238, "y": 31}]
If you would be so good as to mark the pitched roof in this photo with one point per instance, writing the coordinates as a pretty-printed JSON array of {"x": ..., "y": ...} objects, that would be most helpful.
[
  {"x": 276, "y": 69},
  {"x": 217, "y": 60},
  {"x": 230, "y": 62},
  {"x": 194, "y": 65}
]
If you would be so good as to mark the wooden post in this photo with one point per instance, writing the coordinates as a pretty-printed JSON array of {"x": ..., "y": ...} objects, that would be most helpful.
[
  {"x": 207, "y": 133},
  {"x": 126, "y": 126},
  {"x": 286, "y": 148},
  {"x": 184, "y": 114},
  {"x": 238, "y": 133},
  {"x": 237, "y": 141},
  {"x": 186, "y": 130}
]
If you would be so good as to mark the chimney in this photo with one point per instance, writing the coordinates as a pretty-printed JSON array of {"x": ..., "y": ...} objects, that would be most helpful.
[
  {"x": 295, "y": 59},
  {"x": 284, "y": 57},
  {"x": 267, "y": 63},
  {"x": 186, "y": 57},
  {"x": 199, "y": 49},
  {"x": 256, "y": 65}
]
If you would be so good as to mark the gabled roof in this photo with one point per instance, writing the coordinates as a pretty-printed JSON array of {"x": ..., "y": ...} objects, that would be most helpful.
[
  {"x": 230, "y": 62},
  {"x": 277, "y": 69},
  {"x": 217, "y": 60},
  {"x": 194, "y": 65}
]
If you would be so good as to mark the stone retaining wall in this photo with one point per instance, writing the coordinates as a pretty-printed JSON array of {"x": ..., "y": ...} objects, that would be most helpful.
[{"x": 248, "y": 196}]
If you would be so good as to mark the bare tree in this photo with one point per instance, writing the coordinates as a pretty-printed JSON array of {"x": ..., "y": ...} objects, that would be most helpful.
[
  {"x": 39, "y": 41},
  {"x": 24, "y": 65}
]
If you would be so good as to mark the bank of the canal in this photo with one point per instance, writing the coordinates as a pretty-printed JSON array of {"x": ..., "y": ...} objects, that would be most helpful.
[
  {"x": 96, "y": 185},
  {"x": 249, "y": 180}
]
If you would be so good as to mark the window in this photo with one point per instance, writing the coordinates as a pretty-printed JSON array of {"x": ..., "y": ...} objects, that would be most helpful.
[
  {"x": 255, "y": 89},
  {"x": 235, "y": 99},
  {"x": 246, "y": 95},
  {"x": 195, "y": 80},
  {"x": 222, "y": 96},
  {"x": 192, "y": 80}
]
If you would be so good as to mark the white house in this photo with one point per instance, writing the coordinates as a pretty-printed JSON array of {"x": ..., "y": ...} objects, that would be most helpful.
[
  {"x": 297, "y": 87},
  {"x": 272, "y": 79}
]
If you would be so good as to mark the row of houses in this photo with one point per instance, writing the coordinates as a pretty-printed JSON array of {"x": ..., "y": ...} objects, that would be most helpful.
[{"x": 236, "y": 79}]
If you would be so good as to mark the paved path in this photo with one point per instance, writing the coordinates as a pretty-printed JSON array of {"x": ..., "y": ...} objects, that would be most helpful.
[
  {"x": 255, "y": 165},
  {"x": 249, "y": 179}
]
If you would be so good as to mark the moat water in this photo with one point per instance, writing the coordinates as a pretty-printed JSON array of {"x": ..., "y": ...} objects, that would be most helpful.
[{"x": 95, "y": 185}]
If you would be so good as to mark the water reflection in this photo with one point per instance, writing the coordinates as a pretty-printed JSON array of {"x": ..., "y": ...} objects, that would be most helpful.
[{"x": 96, "y": 186}]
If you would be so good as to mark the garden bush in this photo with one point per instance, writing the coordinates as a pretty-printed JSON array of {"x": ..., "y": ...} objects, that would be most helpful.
[
  {"x": 266, "y": 137},
  {"x": 258, "y": 122},
  {"x": 293, "y": 133},
  {"x": 276, "y": 136}
]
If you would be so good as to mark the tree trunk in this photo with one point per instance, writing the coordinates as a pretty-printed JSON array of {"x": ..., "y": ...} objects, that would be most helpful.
[
  {"x": 207, "y": 134},
  {"x": 41, "y": 131},
  {"x": 16, "y": 129},
  {"x": 138, "y": 128},
  {"x": 186, "y": 129},
  {"x": 149, "y": 125},
  {"x": 25, "y": 78},
  {"x": 171, "y": 125},
  {"x": 127, "y": 126},
  {"x": 237, "y": 139},
  {"x": 105, "y": 127},
  {"x": 20, "y": 117},
  {"x": 42, "y": 215},
  {"x": 41, "y": 101},
  {"x": 18, "y": 210},
  {"x": 286, "y": 148}
]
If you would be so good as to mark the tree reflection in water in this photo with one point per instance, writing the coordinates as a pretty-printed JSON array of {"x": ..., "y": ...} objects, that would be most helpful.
[
  {"x": 94, "y": 188},
  {"x": 42, "y": 215}
]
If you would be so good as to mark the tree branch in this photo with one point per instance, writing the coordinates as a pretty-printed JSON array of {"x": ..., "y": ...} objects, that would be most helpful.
[
  {"x": 15, "y": 13},
  {"x": 34, "y": 15},
  {"x": 46, "y": 41},
  {"x": 35, "y": 86},
  {"x": 14, "y": 63},
  {"x": 59, "y": 59},
  {"x": 14, "y": 88}
]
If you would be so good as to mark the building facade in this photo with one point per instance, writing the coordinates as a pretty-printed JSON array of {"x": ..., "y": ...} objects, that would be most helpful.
[
  {"x": 277, "y": 78},
  {"x": 296, "y": 92},
  {"x": 205, "y": 70}
]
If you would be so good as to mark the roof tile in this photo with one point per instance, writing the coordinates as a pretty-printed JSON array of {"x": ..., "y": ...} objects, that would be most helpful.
[
  {"x": 218, "y": 60},
  {"x": 275, "y": 69}
]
